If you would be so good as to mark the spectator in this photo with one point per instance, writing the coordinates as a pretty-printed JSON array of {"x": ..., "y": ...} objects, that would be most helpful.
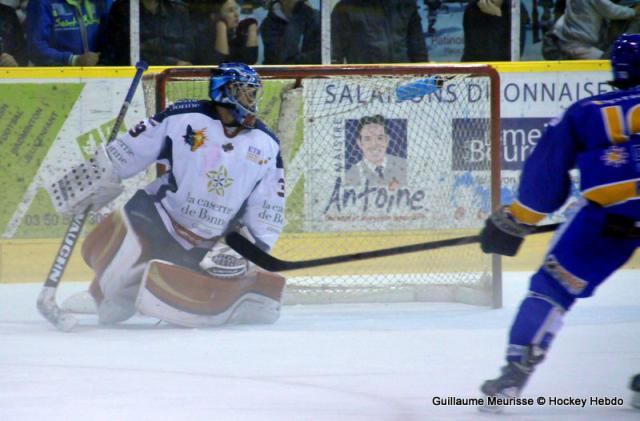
[
  {"x": 20, "y": 7},
  {"x": 432, "y": 14},
  {"x": 377, "y": 166},
  {"x": 377, "y": 31},
  {"x": 65, "y": 32},
  {"x": 547, "y": 18},
  {"x": 579, "y": 28},
  {"x": 487, "y": 30},
  {"x": 165, "y": 34},
  {"x": 222, "y": 36},
  {"x": 291, "y": 33},
  {"x": 12, "y": 43},
  {"x": 619, "y": 27}
]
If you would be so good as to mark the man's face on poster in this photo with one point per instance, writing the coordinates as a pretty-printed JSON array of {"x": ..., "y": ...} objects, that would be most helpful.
[{"x": 373, "y": 141}]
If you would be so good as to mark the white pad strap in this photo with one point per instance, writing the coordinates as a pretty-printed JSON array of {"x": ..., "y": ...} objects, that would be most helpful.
[{"x": 91, "y": 183}]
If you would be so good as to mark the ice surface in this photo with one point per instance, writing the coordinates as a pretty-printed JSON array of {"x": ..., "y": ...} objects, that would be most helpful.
[{"x": 325, "y": 362}]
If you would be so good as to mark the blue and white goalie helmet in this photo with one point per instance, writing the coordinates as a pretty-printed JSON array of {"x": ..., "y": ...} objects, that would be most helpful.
[
  {"x": 625, "y": 60},
  {"x": 238, "y": 87}
]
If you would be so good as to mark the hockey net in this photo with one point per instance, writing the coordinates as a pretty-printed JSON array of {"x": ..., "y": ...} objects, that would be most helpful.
[{"x": 379, "y": 157}]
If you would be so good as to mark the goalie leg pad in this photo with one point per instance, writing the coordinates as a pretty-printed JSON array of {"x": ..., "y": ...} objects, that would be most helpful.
[
  {"x": 193, "y": 299},
  {"x": 113, "y": 251},
  {"x": 102, "y": 244},
  {"x": 118, "y": 251}
]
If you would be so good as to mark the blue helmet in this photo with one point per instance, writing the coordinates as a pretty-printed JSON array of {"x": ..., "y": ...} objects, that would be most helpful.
[
  {"x": 237, "y": 86},
  {"x": 625, "y": 60}
]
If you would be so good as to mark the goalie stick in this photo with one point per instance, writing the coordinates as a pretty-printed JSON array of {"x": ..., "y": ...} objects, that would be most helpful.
[
  {"x": 46, "y": 304},
  {"x": 266, "y": 261}
]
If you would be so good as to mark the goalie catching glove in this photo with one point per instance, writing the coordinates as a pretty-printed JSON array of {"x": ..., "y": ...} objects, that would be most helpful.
[
  {"x": 502, "y": 233},
  {"x": 224, "y": 262},
  {"x": 92, "y": 183}
]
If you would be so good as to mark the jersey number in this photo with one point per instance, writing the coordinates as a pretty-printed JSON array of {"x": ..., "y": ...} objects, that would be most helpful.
[
  {"x": 139, "y": 128},
  {"x": 619, "y": 126}
]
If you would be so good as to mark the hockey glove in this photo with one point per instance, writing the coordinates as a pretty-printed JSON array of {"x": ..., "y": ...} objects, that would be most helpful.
[
  {"x": 223, "y": 262},
  {"x": 502, "y": 234}
]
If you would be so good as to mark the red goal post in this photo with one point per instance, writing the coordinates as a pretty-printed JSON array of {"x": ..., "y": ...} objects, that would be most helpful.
[{"x": 376, "y": 157}]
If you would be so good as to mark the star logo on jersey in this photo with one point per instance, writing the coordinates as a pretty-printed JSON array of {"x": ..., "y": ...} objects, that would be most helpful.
[
  {"x": 219, "y": 180},
  {"x": 615, "y": 156},
  {"x": 195, "y": 139}
]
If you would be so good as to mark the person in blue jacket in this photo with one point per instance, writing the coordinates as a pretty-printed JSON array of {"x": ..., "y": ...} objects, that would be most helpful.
[
  {"x": 66, "y": 32},
  {"x": 600, "y": 136}
]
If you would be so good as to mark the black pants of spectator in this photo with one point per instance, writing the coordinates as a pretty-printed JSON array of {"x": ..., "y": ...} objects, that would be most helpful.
[{"x": 487, "y": 37}]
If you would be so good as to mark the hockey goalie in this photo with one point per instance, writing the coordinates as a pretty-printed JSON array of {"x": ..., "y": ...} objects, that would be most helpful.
[{"x": 163, "y": 254}]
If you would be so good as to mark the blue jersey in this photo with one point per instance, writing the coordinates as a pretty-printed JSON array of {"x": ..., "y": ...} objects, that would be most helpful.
[
  {"x": 598, "y": 136},
  {"x": 59, "y": 29}
]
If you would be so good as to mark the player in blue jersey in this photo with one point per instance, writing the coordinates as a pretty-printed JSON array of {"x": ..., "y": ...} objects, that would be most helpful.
[{"x": 598, "y": 136}]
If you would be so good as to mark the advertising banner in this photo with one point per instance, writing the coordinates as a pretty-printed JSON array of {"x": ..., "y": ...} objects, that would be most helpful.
[
  {"x": 46, "y": 126},
  {"x": 381, "y": 161}
]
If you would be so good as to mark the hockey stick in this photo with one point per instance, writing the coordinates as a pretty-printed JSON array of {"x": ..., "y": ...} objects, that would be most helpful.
[
  {"x": 47, "y": 299},
  {"x": 266, "y": 261}
]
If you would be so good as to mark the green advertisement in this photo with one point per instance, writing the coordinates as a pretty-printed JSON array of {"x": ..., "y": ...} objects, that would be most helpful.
[{"x": 31, "y": 116}]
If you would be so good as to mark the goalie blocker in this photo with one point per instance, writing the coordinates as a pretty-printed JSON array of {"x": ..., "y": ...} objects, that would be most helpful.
[
  {"x": 142, "y": 268},
  {"x": 92, "y": 183}
]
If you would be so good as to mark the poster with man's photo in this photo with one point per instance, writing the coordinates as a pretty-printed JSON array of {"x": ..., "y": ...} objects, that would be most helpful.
[
  {"x": 376, "y": 152},
  {"x": 375, "y": 161}
]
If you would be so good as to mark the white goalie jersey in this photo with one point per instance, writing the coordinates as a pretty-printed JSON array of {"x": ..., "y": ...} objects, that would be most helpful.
[{"x": 212, "y": 177}]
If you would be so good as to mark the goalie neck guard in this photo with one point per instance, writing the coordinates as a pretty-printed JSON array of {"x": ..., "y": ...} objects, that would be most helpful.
[
  {"x": 237, "y": 87},
  {"x": 625, "y": 61}
]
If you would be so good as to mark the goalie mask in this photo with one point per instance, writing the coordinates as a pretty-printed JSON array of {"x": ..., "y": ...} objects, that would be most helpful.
[
  {"x": 238, "y": 88},
  {"x": 625, "y": 61}
]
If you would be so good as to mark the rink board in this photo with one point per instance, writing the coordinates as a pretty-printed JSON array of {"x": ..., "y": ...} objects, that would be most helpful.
[{"x": 29, "y": 260}]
